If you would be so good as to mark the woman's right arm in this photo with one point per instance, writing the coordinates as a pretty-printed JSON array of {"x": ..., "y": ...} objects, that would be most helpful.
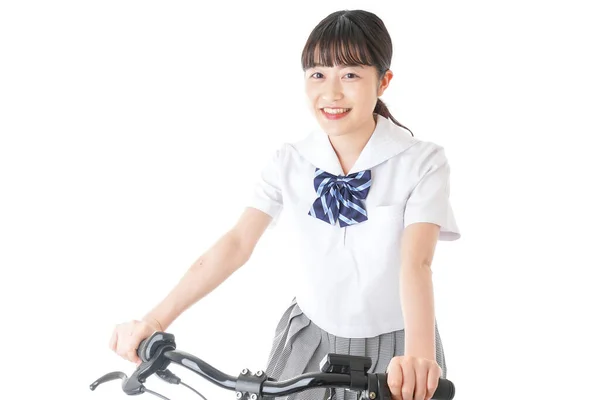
[{"x": 211, "y": 269}]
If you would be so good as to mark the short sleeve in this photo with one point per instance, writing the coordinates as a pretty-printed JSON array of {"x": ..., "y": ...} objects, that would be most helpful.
[
  {"x": 429, "y": 201},
  {"x": 266, "y": 195}
]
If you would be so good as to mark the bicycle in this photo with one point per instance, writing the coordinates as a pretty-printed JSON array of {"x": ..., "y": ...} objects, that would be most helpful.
[{"x": 338, "y": 371}]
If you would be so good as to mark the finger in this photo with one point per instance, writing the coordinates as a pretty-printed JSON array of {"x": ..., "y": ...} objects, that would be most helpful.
[
  {"x": 133, "y": 347},
  {"x": 408, "y": 386},
  {"x": 421, "y": 373},
  {"x": 124, "y": 343},
  {"x": 433, "y": 378},
  {"x": 132, "y": 356},
  {"x": 121, "y": 345},
  {"x": 112, "y": 343},
  {"x": 394, "y": 380}
]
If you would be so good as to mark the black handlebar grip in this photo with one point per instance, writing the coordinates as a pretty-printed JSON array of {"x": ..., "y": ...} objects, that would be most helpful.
[
  {"x": 141, "y": 350},
  {"x": 444, "y": 391},
  {"x": 149, "y": 346}
]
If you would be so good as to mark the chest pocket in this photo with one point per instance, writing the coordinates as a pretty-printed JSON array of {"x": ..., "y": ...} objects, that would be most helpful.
[
  {"x": 382, "y": 214},
  {"x": 378, "y": 238}
]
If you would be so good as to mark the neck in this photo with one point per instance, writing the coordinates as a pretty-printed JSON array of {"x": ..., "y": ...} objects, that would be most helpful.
[{"x": 348, "y": 147}]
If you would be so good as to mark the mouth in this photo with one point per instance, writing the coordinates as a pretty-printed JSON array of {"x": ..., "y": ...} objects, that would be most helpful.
[{"x": 335, "y": 113}]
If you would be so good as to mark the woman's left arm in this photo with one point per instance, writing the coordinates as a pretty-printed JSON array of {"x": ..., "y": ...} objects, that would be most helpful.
[
  {"x": 415, "y": 375},
  {"x": 416, "y": 289}
]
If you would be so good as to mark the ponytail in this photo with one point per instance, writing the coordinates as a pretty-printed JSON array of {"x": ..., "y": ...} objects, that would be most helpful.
[{"x": 381, "y": 109}]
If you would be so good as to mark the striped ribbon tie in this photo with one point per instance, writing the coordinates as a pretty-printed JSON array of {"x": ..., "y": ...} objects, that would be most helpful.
[{"x": 340, "y": 197}]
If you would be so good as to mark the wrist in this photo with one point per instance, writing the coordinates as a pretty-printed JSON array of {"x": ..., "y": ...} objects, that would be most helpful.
[
  {"x": 154, "y": 323},
  {"x": 420, "y": 352}
]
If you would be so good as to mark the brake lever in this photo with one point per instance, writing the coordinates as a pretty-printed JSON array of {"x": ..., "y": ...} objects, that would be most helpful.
[
  {"x": 134, "y": 384},
  {"x": 131, "y": 385},
  {"x": 111, "y": 376}
]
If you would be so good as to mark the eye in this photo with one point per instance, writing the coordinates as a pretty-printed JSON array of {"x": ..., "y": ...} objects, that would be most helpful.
[
  {"x": 316, "y": 73},
  {"x": 353, "y": 75}
]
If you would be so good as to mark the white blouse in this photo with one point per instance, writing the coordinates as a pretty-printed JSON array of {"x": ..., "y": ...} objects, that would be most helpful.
[{"x": 349, "y": 283}]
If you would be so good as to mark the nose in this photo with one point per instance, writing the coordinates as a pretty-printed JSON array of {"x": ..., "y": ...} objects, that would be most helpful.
[{"x": 332, "y": 91}]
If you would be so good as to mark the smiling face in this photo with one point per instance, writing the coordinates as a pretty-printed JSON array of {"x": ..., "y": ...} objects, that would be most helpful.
[
  {"x": 343, "y": 97},
  {"x": 346, "y": 63}
]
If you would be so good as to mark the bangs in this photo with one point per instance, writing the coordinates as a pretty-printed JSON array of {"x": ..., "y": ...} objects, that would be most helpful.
[{"x": 340, "y": 42}]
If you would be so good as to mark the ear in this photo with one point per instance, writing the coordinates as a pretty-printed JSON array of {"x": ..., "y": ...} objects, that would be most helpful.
[{"x": 385, "y": 82}]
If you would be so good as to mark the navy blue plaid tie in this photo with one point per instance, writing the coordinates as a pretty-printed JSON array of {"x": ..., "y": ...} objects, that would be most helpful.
[{"x": 340, "y": 197}]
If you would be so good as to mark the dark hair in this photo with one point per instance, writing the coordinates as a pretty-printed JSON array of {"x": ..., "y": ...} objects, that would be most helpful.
[{"x": 351, "y": 37}]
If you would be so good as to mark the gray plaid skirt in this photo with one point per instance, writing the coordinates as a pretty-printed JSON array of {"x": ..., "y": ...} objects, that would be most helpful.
[{"x": 299, "y": 346}]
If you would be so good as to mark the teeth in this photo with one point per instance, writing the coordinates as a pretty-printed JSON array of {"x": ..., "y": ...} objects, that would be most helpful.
[{"x": 335, "y": 110}]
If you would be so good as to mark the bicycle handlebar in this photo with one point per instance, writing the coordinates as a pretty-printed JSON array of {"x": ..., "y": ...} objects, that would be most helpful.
[{"x": 337, "y": 371}]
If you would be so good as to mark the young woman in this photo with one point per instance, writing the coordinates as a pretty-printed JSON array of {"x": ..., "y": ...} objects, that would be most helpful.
[{"x": 369, "y": 202}]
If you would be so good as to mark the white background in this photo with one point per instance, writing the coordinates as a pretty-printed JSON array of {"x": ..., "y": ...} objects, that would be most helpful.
[{"x": 132, "y": 131}]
